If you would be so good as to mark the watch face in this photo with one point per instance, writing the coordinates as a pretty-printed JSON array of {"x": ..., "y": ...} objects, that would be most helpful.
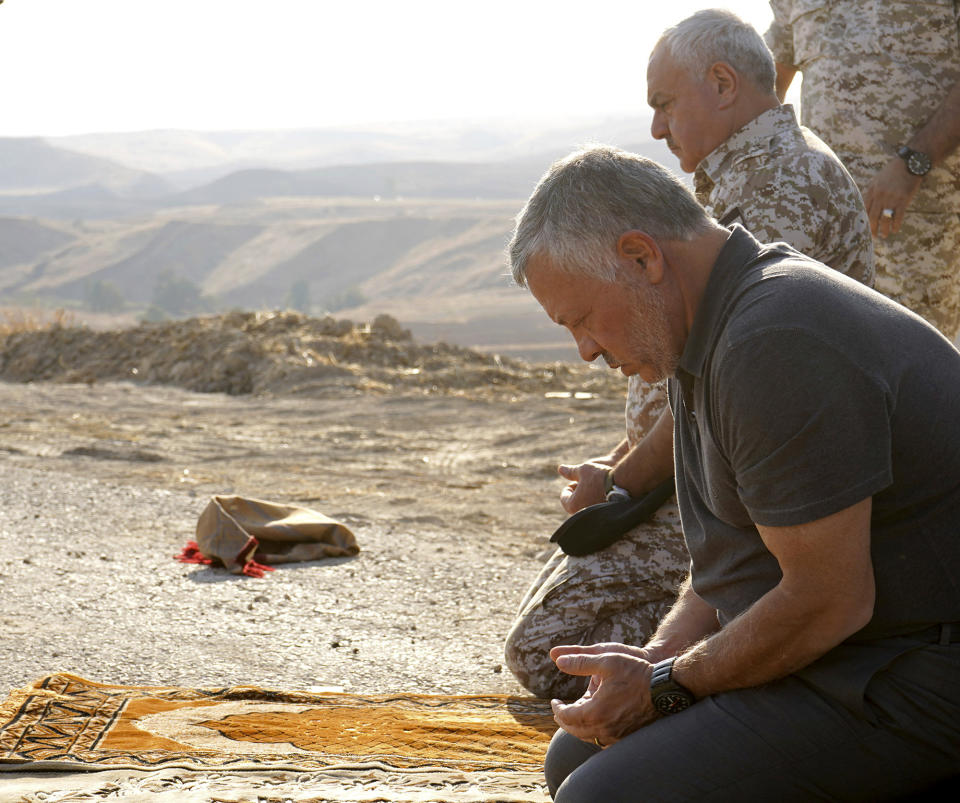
[
  {"x": 671, "y": 702},
  {"x": 918, "y": 163}
]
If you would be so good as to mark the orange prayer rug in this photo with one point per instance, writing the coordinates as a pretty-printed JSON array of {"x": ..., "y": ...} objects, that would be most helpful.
[{"x": 450, "y": 747}]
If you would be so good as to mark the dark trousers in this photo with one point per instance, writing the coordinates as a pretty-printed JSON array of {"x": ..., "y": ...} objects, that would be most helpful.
[{"x": 785, "y": 741}]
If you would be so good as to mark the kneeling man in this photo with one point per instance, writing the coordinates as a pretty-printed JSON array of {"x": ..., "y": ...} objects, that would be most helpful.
[{"x": 814, "y": 651}]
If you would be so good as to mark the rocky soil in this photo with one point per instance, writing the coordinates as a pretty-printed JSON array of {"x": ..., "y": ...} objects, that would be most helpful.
[{"x": 442, "y": 461}]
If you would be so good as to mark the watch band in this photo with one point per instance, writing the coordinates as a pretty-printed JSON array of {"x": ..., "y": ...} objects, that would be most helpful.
[
  {"x": 668, "y": 696},
  {"x": 608, "y": 483}
]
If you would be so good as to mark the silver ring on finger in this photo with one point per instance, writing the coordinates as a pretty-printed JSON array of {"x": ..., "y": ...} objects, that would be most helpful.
[{"x": 887, "y": 212}]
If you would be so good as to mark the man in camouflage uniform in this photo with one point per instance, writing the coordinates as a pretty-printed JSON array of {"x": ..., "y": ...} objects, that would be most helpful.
[
  {"x": 710, "y": 81},
  {"x": 880, "y": 76}
]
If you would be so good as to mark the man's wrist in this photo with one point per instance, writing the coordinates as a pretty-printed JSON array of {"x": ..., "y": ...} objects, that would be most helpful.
[
  {"x": 657, "y": 651},
  {"x": 685, "y": 674},
  {"x": 611, "y": 491}
]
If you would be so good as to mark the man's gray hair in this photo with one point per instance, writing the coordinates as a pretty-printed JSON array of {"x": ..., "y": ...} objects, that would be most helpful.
[
  {"x": 583, "y": 204},
  {"x": 713, "y": 35}
]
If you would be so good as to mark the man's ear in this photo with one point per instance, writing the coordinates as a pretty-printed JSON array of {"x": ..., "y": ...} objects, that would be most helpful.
[
  {"x": 726, "y": 82},
  {"x": 641, "y": 248}
]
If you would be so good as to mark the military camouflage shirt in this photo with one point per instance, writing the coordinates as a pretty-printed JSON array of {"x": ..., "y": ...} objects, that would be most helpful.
[
  {"x": 788, "y": 185},
  {"x": 874, "y": 71}
]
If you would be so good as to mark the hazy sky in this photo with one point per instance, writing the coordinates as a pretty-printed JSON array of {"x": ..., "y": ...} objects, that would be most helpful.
[{"x": 80, "y": 66}]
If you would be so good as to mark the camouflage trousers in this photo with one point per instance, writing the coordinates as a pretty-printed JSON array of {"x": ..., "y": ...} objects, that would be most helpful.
[
  {"x": 618, "y": 594},
  {"x": 920, "y": 268}
]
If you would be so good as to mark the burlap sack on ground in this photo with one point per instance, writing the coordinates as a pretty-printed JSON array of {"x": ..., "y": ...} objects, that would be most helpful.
[{"x": 247, "y": 535}]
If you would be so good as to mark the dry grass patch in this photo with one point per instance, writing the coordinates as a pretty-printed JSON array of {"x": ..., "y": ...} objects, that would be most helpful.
[{"x": 33, "y": 320}]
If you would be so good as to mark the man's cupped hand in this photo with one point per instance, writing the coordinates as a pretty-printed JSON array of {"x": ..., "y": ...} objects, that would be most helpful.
[
  {"x": 617, "y": 700},
  {"x": 585, "y": 486}
]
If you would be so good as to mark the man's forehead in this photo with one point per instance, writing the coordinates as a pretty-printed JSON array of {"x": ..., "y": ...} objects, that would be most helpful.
[
  {"x": 542, "y": 274},
  {"x": 665, "y": 74},
  {"x": 541, "y": 264},
  {"x": 561, "y": 293},
  {"x": 661, "y": 61},
  {"x": 656, "y": 73}
]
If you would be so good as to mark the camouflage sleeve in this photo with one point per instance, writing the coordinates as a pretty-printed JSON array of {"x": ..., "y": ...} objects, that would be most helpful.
[
  {"x": 644, "y": 405},
  {"x": 779, "y": 36},
  {"x": 811, "y": 203}
]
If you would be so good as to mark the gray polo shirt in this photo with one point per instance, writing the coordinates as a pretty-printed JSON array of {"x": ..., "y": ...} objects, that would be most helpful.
[{"x": 801, "y": 392}]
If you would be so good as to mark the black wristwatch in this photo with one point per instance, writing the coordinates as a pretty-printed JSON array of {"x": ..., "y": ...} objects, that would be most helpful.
[
  {"x": 668, "y": 696},
  {"x": 918, "y": 163}
]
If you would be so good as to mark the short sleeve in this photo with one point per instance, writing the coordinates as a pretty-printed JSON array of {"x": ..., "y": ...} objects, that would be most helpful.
[
  {"x": 806, "y": 429},
  {"x": 779, "y": 36},
  {"x": 809, "y": 202}
]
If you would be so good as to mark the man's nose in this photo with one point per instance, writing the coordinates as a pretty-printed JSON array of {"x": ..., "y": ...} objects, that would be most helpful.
[
  {"x": 588, "y": 348},
  {"x": 658, "y": 127}
]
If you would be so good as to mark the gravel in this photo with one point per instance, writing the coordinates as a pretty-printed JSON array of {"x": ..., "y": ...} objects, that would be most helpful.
[{"x": 90, "y": 586}]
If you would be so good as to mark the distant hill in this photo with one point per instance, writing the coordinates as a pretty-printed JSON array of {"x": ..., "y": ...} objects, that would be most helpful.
[
  {"x": 26, "y": 240},
  {"x": 191, "y": 250},
  {"x": 437, "y": 265},
  {"x": 39, "y": 180},
  {"x": 385, "y": 180},
  {"x": 514, "y": 178},
  {"x": 251, "y": 256},
  {"x": 191, "y": 158},
  {"x": 33, "y": 165}
]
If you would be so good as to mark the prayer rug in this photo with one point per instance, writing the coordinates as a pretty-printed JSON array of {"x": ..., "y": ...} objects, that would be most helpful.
[{"x": 402, "y": 747}]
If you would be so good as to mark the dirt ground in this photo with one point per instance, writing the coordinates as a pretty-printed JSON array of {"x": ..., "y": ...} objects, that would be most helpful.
[{"x": 451, "y": 490}]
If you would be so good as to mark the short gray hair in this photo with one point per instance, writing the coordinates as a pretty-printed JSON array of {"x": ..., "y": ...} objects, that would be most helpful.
[
  {"x": 583, "y": 204},
  {"x": 713, "y": 35}
]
